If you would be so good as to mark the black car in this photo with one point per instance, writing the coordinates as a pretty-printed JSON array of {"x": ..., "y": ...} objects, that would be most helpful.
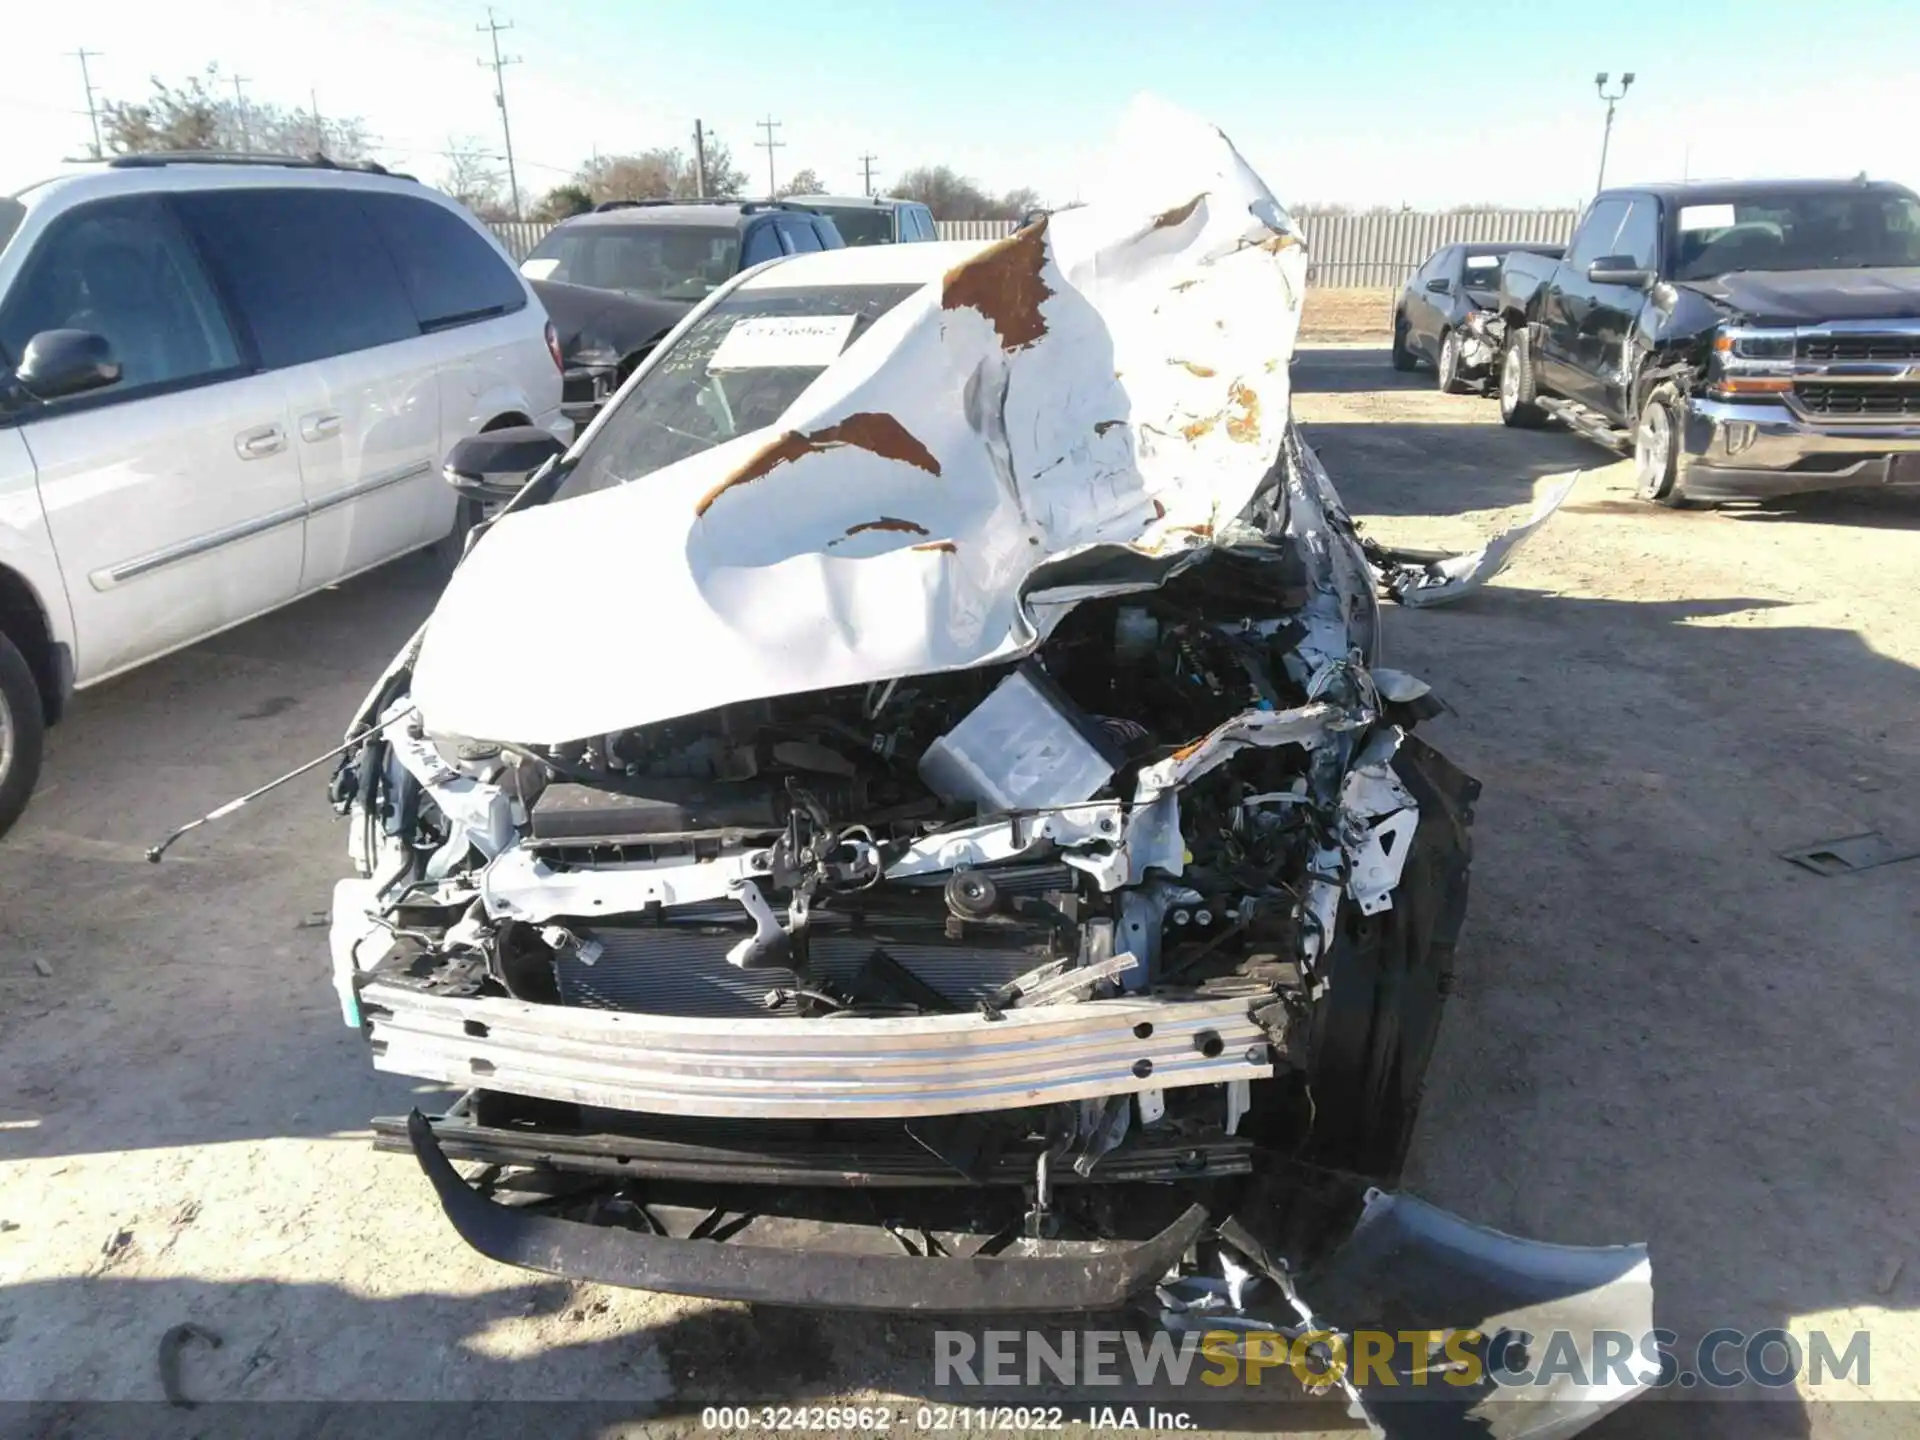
[
  {"x": 874, "y": 219},
  {"x": 615, "y": 281},
  {"x": 1740, "y": 340},
  {"x": 1430, "y": 315}
]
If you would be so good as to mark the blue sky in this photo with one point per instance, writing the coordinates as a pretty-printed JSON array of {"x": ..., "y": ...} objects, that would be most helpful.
[{"x": 1363, "y": 101}]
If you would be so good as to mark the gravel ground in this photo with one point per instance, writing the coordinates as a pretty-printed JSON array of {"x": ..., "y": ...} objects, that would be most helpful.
[{"x": 1661, "y": 1030}]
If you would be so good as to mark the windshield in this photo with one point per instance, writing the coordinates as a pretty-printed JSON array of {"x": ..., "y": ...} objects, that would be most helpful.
[
  {"x": 861, "y": 224},
  {"x": 1817, "y": 230},
  {"x": 736, "y": 370},
  {"x": 669, "y": 262}
]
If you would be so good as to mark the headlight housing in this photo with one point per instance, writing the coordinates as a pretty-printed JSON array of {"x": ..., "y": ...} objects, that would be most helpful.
[{"x": 1751, "y": 362}]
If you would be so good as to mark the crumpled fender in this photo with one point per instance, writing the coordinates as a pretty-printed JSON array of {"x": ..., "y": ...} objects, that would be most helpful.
[{"x": 1418, "y": 578}]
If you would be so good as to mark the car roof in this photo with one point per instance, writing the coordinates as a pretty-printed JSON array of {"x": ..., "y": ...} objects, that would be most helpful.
[
  {"x": 866, "y": 265},
  {"x": 877, "y": 202},
  {"x": 1709, "y": 191},
  {"x": 89, "y": 179}
]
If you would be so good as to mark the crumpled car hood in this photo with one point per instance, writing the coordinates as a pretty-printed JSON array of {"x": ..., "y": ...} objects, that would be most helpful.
[{"x": 1070, "y": 411}]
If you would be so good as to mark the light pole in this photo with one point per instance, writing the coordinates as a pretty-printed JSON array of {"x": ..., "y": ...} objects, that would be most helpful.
[{"x": 1600, "y": 86}]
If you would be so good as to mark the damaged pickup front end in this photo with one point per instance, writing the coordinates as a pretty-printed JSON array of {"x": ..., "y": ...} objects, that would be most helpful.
[{"x": 951, "y": 848}]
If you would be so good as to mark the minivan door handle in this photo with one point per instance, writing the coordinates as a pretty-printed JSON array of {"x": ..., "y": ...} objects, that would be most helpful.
[
  {"x": 319, "y": 424},
  {"x": 260, "y": 442}
]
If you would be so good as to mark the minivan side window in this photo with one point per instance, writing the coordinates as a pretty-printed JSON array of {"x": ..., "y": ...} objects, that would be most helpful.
[
  {"x": 309, "y": 278},
  {"x": 451, "y": 273},
  {"x": 123, "y": 269}
]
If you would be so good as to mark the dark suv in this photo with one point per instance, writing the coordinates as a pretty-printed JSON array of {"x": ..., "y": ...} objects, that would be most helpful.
[
  {"x": 617, "y": 280},
  {"x": 874, "y": 219}
]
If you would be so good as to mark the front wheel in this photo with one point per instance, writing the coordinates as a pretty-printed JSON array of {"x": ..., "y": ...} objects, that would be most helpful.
[
  {"x": 1656, "y": 449},
  {"x": 1448, "y": 366},
  {"x": 1404, "y": 359},
  {"x": 1519, "y": 392},
  {"x": 23, "y": 733}
]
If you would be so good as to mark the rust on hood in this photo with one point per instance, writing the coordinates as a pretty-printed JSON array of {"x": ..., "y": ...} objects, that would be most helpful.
[
  {"x": 876, "y": 433},
  {"x": 946, "y": 546},
  {"x": 1243, "y": 420},
  {"x": 1167, "y": 219},
  {"x": 888, "y": 522},
  {"x": 1193, "y": 367},
  {"x": 1199, "y": 427},
  {"x": 1004, "y": 283}
]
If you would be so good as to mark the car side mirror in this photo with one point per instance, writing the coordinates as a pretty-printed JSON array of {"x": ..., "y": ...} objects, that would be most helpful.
[
  {"x": 494, "y": 466},
  {"x": 1620, "y": 270},
  {"x": 59, "y": 363},
  {"x": 1440, "y": 286}
]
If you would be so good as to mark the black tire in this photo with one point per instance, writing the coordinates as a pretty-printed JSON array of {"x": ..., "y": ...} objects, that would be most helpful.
[
  {"x": 1373, "y": 1034},
  {"x": 1447, "y": 367},
  {"x": 23, "y": 733},
  {"x": 445, "y": 553},
  {"x": 1656, "y": 449},
  {"x": 1518, "y": 389},
  {"x": 1404, "y": 360}
]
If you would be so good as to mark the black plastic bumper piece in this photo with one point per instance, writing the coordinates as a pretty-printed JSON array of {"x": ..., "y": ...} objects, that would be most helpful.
[{"x": 1100, "y": 1279}]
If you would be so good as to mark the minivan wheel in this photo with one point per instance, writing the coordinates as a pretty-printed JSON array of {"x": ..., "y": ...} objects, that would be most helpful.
[
  {"x": 23, "y": 733},
  {"x": 1403, "y": 358},
  {"x": 1656, "y": 450}
]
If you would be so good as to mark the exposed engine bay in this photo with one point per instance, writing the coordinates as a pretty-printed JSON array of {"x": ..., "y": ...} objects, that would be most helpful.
[{"x": 1030, "y": 899}]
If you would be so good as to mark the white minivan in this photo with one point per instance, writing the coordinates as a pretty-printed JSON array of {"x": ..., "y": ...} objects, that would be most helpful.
[{"x": 225, "y": 384}]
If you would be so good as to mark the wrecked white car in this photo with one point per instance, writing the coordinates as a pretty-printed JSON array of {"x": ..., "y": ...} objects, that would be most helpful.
[{"x": 905, "y": 814}]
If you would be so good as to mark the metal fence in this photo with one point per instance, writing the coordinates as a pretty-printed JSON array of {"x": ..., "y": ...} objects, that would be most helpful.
[{"x": 1356, "y": 251}]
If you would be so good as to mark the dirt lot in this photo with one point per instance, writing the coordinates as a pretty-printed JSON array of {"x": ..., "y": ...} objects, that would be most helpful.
[
  {"x": 1346, "y": 315},
  {"x": 1661, "y": 1030}
]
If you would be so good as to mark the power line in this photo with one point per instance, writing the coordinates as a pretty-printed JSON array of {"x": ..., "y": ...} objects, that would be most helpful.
[
  {"x": 866, "y": 169},
  {"x": 86, "y": 79},
  {"x": 493, "y": 28},
  {"x": 770, "y": 145}
]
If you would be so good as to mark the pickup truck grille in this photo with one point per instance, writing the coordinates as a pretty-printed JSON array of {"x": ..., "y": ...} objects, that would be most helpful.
[
  {"x": 1864, "y": 402},
  {"x": 1825, "y": 349}
]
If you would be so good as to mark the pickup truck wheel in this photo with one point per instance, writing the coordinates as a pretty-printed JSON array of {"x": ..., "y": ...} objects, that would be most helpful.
[
  {"x": 1448, "y": 366},
  {"x": 1403, "y": 358},
  {"x": 1519, "y": 395},
  {"x": 1656, "y": 449},
  {"x": 23, "y": 733}
]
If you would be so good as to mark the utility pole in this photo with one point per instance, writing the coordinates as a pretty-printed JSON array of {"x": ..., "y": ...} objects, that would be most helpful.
[
  {"x": 319, "y": 127},
  {"x": 499, "y": 63},
  {"x": 240, "y": 104},
  {"x": 699, "y": 161},
  {"x": 1600, "y": 86},
  {"x": 770, "y": 145},
  {"x": 866, "y": 170},
  {"x": 93, "y": 111}
]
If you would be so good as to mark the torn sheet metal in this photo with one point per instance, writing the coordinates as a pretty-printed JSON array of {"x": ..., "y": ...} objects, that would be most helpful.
[
  {"x": 1101, "y": 390},
  {"x": 1533, "y": 1315},
  {"x": 1416, "y": 580}
]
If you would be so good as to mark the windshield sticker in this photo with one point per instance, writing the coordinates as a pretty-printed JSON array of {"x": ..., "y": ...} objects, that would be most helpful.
[
  {"x": 766, "y": 342},
  {"x": 1706, "y": 217},
  {"x": 539, "y": 269}
]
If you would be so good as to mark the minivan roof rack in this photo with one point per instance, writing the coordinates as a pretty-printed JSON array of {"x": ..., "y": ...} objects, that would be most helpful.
[
  {"x": 156, "y": 158},
  {"x": 747, "y": 207}
]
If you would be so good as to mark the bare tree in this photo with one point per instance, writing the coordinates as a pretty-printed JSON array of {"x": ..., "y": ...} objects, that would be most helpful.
[
  {"x": 194, "y": 115},
  {"x": 952, "y": 196},
  {"x": 660, "y": 174},
  {"x": 802, "y": 182},
  {"x": 472, "y": 177}
]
